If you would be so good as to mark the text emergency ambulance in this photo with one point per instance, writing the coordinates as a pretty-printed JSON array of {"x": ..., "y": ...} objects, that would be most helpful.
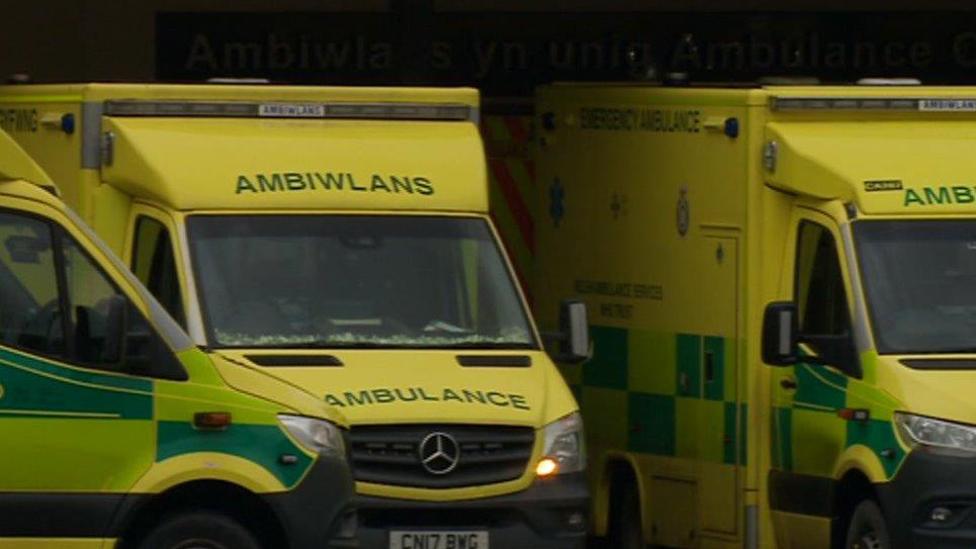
[
  {"x": 117, "y": 431},
  {"x": 715, "y": 233},
  {"x": 339, "y": 239}
]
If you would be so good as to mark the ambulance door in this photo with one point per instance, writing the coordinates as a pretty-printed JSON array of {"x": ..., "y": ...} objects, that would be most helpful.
[
  {"x": 719, "y": 428},
  {"x": 809, "y": 433},
  {"x": 77, "y": 429}
]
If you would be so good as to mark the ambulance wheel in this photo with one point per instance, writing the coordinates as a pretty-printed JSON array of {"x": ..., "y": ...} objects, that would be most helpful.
[
  {"x": 200, "y": 530},
  {"x": 867, "y": 529},
  {"x": 625, "y": 516}
]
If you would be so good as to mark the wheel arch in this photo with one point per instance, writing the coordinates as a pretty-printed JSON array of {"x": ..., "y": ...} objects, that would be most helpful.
[
  {"x": 852, "y": 488},
  {"x": 616, "y": 465},
  {"x": 138, "y": 514}
]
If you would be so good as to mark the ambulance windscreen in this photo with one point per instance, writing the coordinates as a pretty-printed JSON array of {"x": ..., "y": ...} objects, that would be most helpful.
[
  {"x": 356, "y": 281},
  {"x": 920, "y": 282}
]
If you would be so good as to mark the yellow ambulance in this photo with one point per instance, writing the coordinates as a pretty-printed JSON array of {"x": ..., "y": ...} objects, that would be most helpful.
[
  {"x": 339, "y": 239},
  {"x": 782, "y": 288},
  {"x": 117, "y": 431}
]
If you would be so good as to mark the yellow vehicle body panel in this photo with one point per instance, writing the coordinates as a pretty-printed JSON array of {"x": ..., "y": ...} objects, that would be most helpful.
[
  {"x": 207, "y": 466},
  {"x": 17, "y": 165},
  {"x": 254, "y": 164},
  {"x": 674, "y": 213},
  {"x": 532, "y": 398},
  {"x": 819, "y": 161}
]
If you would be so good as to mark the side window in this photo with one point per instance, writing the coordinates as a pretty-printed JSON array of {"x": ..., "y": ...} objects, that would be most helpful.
[
  {"x": 154, "y": 265},
  {"x": 30, "y": 306},
  {"x": 91, "y": 298},
  {"x": 820, "y": 294},
  {"x": 55, "y": 301},
  {"x": 107, "y": 331}
]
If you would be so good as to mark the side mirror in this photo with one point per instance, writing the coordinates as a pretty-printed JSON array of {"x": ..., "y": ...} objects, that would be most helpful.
[
  {"x": 780, "y": 343},
  {"x": 573, "y": 340},
  {"x": 114, "y": 330}
]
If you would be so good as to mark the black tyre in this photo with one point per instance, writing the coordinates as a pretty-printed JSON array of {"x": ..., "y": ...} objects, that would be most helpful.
[
  {"x": 200, "y": 530},
  {"x": 867, "y": 529},
  {"x": 625, "y": 516}
]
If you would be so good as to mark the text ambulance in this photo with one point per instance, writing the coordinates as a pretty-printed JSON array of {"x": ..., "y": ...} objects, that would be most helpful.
[
  {"x": 716, "y": 233},
  {"x": 117, "y": 431},
  {"x": 339, "y": 239}
]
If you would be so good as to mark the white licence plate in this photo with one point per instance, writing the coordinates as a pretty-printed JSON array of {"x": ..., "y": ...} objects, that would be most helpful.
[{"x": 438, "y": 539}]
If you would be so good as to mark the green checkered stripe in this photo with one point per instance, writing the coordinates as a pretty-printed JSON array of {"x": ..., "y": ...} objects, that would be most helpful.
[{"x": 663, "y": 394}]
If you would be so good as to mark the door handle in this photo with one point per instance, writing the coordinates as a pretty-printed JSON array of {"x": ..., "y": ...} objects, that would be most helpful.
[{"x": 788, "y": 384}]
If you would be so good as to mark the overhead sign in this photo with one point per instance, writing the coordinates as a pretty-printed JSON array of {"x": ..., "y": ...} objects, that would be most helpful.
[{"x": 510, "y": 53}]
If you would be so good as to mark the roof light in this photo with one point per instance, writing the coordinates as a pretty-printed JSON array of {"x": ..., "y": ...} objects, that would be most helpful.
[
  {"x": 731, "y": 127},
  {"x": 68, "y": 123},
  {"x": 272, "y": 109}
]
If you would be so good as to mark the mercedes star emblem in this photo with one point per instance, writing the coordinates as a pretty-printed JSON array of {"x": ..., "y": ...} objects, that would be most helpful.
[{"x": 439, "y": 453}]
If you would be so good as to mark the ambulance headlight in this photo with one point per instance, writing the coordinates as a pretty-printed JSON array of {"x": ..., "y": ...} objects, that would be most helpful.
[
  {"x": 316, "y": 435},
  {"x": 563, "y": 447},
  {"x": 935, "y": 433}
]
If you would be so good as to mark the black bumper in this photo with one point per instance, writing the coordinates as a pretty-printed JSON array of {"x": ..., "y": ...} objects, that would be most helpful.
[
  {"x": 927, "y": 481},
  {"x": 550, "y": 514},
  {"x": 319, "y": 513}
]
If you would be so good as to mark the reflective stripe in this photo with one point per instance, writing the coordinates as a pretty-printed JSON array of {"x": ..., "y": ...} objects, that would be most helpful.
[{"x": 512, "y": 179}]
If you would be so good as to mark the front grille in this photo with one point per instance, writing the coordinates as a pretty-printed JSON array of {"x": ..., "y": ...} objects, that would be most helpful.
[{"x": 487, "y": 454}]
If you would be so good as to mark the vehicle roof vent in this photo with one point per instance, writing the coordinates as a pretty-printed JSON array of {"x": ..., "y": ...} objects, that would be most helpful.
[{"x": 889, "y": 82}]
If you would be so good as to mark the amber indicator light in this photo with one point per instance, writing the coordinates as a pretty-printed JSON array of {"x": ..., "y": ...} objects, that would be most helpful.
[{"x": 211, "y": 420}]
